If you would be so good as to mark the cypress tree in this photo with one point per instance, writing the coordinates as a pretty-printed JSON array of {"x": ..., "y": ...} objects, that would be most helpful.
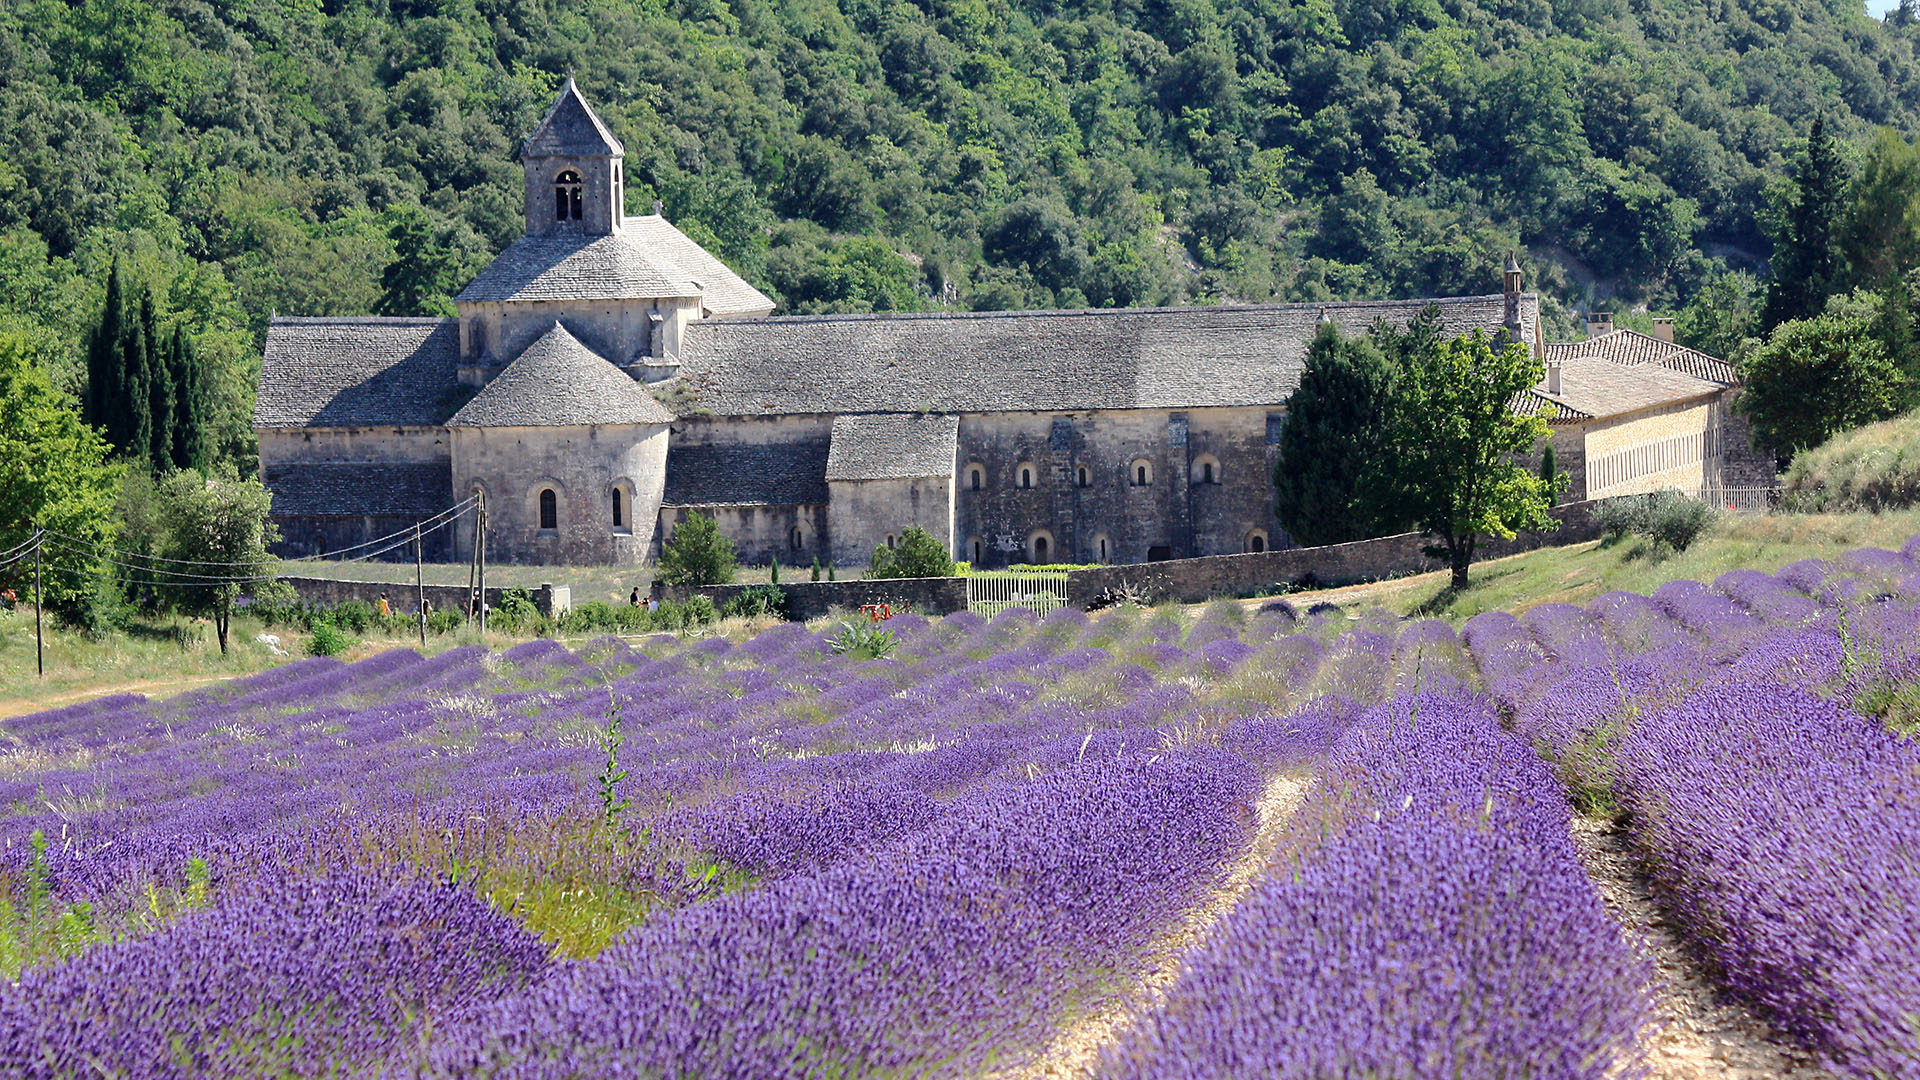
[
  {"x": 132, "y": 428},
  {"x": 103, "y": 359},
  {"x": 1549, "y": 472},
  {"x": 189, "y": 403},
  {"x": 1334, "y": 433},
  {"x": 159, "y": 446},
  {"x": 1804, "y": 258}
]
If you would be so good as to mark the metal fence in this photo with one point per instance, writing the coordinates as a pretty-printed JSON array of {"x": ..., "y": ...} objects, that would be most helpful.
[
  {"x": 990, "y": 592},
  {"x": 1737, "y": 500}
]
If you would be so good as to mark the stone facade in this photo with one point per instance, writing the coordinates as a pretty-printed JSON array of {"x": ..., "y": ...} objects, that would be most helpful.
[{"x": 583, "y": 467}]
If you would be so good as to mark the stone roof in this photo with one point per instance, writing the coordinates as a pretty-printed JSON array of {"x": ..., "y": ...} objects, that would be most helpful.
[
  {"x": 892, "y": 446},
  {"x": 1633, "y": 347},
  {"x": 732, "y": 474},
  {"x": 1592, "y": 388},
  {"x": 571, "y": 129},
  {"x": 360, "y": 489},
  {"x": 558, "y": 382},
  {"x": 648, "y": 259},
  {"x": 358, "y": 372},
  {"x": 1128, "y": 358}
]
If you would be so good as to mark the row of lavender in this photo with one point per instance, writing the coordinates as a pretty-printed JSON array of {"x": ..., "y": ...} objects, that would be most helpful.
[{"x": 1780, "y": 820}]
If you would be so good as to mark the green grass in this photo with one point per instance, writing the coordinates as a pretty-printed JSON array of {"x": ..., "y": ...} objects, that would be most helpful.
[{"x": 1580, "y": 572}]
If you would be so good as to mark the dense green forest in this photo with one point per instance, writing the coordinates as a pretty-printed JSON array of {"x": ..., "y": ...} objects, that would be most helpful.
[{"x": 239, "y": 157}]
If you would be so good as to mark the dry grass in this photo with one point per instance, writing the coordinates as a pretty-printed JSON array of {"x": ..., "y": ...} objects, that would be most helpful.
[{"x": 1874, "y": 467}]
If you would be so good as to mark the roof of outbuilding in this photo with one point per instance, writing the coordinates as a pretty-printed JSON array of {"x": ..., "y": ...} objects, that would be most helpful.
[
  {"x": 360, "y": 372},
  {"x": 734, "y": 474},
  {"x": 1126, "y": 358},
  {"x": 892, "y": 446},
  {"x": 571, "y": 128},
  {"x": 359, "y": 489},
  {"x": 1632, "y": 347},
  {"x": 648, "y": 259},
  {"x": 1594, "y": 388},
  {"x": 558, "y": 382}
]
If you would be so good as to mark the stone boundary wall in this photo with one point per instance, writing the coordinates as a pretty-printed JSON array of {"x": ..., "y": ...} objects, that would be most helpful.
[
  {"x": 1195, "y": 580},
  {"x": 332, "y": 591},
  {"x": 812, "y": 599}
]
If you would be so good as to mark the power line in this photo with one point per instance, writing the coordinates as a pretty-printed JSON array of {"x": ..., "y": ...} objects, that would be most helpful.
[{"x": 403, "y": 535}]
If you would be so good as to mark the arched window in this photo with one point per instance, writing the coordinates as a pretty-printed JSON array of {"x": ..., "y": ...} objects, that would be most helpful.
[
  {"x": 1026, "y": 475},
  {"x": 1206, "y": 469},
  {"x": 619, "y": 510},
  {"x": 890, "y": 539},
  {"x": 1102, "y": 548},
  {"x": 977, "y": 549},
  {"x": 319, "y": 543},
  {"x": 1042, "y": 550},
  {"x": 567, "y": 197},
  {"x": 549, "y": 510},
  {"x": 797, "y": 540},
  {"x": 1083, "y": 476},
  {"x": 1140, "y": 472},
  {"x": 976, "y": 477},
  {"x": 1256, "y": 541}
]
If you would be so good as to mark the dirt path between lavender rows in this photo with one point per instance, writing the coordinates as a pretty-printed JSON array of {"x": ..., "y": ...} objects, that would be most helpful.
[
  {"x": 1698, "y": 1033},
  {"x": 1075, "y": 1049},
  {"x": 22, "y": 706}
]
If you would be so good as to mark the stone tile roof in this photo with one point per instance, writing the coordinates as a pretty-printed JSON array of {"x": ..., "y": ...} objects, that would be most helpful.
[
  {"x": 385, "y": 489},
  {"x": 571, "y": 129},
  {"x": 1633, "y": 347},
  {"x": 358, "y": 372},
  {"x": 558, "y": 382},
  {"x": 730, "y": 474},
  {"x": 648, "y": 259},
  {"x": 1039, "y": 360},
  {"x": 1593, "y": 388},
  {"x": 892, "y": 446}
]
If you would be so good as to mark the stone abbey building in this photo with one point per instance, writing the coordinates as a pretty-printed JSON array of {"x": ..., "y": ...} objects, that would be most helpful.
[{"x": 606, "y": 376}]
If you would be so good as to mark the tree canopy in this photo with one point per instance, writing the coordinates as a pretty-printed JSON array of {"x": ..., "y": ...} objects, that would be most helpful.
[
  {"x": 215, "y": 530},
  {"x": 698, "y": 553},
  {"x": 917, "y": 555},
  {"x": 1335, "y": 431}
]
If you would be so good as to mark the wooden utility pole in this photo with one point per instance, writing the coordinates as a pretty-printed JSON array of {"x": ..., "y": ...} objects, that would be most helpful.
[
  {"x": 473, "y": 569},
  {"x": 39, "y": 603},
  {"x": 481, "y": 554},
  {"x": 420, "y": 584}
]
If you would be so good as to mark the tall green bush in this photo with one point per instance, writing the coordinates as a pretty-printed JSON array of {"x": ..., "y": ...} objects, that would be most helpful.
[
  {"x": 918, "y": 555},
  {"x": 698, "y": 553}
]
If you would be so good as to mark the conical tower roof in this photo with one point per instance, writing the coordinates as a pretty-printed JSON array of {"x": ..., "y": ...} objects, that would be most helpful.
[
  {"x": 558, "y": 382},
  {"x": 571, "y": 129}
]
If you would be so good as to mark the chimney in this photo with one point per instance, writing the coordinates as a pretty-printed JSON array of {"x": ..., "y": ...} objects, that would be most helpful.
[
  {"x": 1663, "y": 329},
  {"x": 1553, "y": 377},
  {"x": 659, "y": 208},
  {"x": 1599, "y": 322},
  {"x": 1510, "y": 286}
]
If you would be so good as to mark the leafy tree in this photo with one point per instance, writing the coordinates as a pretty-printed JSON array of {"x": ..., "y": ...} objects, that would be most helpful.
[
  {"x": 220, "y": 525},
  {"x": 1456, "y": 448},
  {"x": 1723, "y": 317},
  {"x": 1804, "y": 259},
  {"x": 422, "y": 277},
  {"x": 53, "y": 474},
  {"x": 1333, "y": 431},
  {"x": 1878, "y": 235},
  {"x": 1814, "y": 378},
  {"x": 918, "y": 555},
  {"x": 698, "y": 553}
]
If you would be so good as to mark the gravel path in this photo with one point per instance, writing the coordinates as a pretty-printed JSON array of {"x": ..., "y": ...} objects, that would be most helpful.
[
  {"x": 1699, "y": 1033},
  {"x": 1075, "y": 1048}
]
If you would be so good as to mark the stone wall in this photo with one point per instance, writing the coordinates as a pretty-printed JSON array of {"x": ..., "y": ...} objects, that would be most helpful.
[
  {"x": 1195, "y": 580},
  {"x": 813, "y": 599},
  {"x": 581, "y": 465},
  {"x": 402, "y": 597},
  {"x": 866, "y": 512}
]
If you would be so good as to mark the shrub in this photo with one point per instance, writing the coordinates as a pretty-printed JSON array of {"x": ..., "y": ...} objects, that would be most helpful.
[
  {"x": 758, "y": 600},
  {"x": 698, "y": 554},
  {"x": 919, "y": 555},
  {"x": 863, "y": 640},
  {"x": 443, "y": 622},
  {"x": 1675, "y": 521},
  {"x": 329, "y": 640},
  {"x": 1619, "y": 516}
]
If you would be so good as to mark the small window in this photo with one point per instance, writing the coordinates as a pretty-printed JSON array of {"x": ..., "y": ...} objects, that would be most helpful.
[
  {"x": 889, "y": 539},
  {"x": 1206, "y": 469},
  {"x": 549, "y": 510},
  {"x": 319, "y": 543},
  {"x": 1040, "y": 548},
  {"x": 567, "y": 196},
  {"x": 977, "y": 549},
  {"x": 1083, "y": 476},
  {"x": 1256, "y": 541},
  {"x": 619, "y": 510},
  {"x": 1140, "y": 472},
  {"x": 1026, "y": 476},
  {"x": 1102, "y": 548},
  {"x": 1207, "y": 476},
  {"x": 976, "y": 477},
  {"x": 797, "y": 539}
]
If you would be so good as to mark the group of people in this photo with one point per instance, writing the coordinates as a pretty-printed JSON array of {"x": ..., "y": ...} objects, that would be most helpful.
[{"x": 652, "y": 602}]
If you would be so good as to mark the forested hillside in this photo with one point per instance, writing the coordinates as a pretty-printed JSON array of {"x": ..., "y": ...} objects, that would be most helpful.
[{"x": 351, "y": 156}]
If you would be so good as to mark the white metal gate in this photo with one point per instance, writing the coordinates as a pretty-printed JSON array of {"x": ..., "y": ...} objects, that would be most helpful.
[{"x": 990, "y": 592}]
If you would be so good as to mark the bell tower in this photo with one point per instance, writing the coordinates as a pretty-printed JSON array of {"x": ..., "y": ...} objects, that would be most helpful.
[{"x": 575, "y": 171}]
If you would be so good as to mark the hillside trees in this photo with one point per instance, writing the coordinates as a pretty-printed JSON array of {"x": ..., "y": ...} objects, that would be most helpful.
[
  {"x": 1814, "y": 378},
  {"x": 147, "y": 388},
  {"x": 1805, "y": 263}
]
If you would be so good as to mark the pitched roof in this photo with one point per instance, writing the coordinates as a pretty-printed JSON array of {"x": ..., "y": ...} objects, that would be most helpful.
[
  {"x": 1594, "y": 388},
  {"x": 358, "y": 372},
  {"x": 892, "y": 446},
  {"x": 1034, "y": 360},
  {"x": 1632, "y": 347},
  {"x": 571, "y": 128},
  {"x": 558, "y": 382},
  {"x": 647, "y": 259},
  {"x": 730, "y": 474},
  {"x": 384, "y": 489}
]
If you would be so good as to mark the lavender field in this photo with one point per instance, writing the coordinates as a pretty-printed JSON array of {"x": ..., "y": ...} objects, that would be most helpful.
[{"x": 1253, "y": 843}]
